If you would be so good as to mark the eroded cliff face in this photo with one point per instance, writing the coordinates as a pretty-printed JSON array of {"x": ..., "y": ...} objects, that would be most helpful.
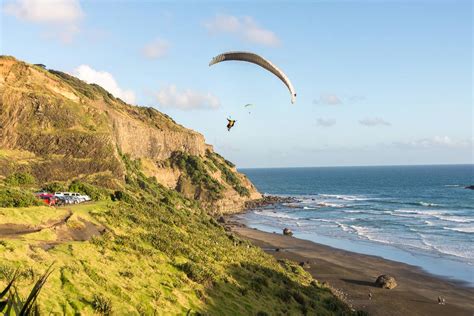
[{"x": 59, "y": 128}]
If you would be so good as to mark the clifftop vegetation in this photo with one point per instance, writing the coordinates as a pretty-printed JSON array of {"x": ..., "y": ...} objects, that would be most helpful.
[{"x": 146, "y": 245}]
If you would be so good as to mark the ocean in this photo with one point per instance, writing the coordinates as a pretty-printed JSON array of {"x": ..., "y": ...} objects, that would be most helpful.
[{"x": 420, "y": 215}]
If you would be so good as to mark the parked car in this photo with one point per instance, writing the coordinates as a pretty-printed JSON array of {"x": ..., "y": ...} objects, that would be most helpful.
[
  {"x": 71, "y": 197},
  {"x": 48, "y": 199}
]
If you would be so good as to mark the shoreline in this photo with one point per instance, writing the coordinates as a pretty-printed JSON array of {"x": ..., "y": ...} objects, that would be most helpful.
[{"x": 352, "y": 275}]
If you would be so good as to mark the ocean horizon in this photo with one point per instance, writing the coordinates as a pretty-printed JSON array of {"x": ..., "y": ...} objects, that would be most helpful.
[{"x": 417, "y": 214}]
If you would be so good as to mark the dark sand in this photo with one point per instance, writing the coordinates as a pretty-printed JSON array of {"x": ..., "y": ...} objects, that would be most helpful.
[{"x": 354, "y": 274}]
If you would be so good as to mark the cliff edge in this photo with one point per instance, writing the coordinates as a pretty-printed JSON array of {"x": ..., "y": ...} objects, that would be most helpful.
[{"x": 59, "y": 128}]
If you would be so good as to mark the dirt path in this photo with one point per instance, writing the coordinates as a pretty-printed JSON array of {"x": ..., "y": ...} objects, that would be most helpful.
[
  {"x": 16, "y": 230},
  {"x": 82, "y": 230}
]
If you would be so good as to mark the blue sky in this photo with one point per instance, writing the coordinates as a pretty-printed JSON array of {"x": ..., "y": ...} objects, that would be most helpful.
[{"x": 378, "y": 83}]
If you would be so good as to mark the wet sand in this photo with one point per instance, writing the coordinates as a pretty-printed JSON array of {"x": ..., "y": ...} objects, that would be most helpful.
[{"x": 354, "y": 274}]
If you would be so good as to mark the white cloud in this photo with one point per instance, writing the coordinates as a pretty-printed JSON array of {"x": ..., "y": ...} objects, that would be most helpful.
[
  {"x": 187, "y": 99},
  {"x": 436, "y": 142},
  {"x": 375, "y": 121},
  {"x": 328, "y": 99},
  {"x": 61, "y": 17},
  {"x": 105, "y": 80},
  {"x": 335, "y": 99},
  {"x": 325, "y": 122},
  {"x": 246, "y": 28},
  {"x": 156, "y": 49}
]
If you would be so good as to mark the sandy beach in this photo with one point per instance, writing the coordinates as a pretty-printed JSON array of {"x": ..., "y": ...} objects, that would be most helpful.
[{"x": 354, "y": 274}]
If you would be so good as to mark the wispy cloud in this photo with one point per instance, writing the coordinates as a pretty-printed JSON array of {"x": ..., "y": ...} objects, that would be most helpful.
[
  {"x": 335, "y": 99},
  {"x": 436, "y": 142},
  {"x": 105, "y": 80},
  {"x": 185, "y": 100},
  {"x": 245, "y": 28},
  {"x": 325, "y": 122},
  {"x": 375, "y": 121},
  {"x": 158, "y": 48},
  {"x": 60, "y": 17},
  {"x": 328, "y": 99}
]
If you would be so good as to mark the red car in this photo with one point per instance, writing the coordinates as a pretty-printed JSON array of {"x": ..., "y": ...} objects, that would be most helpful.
[{"x": 48, "y": 199}]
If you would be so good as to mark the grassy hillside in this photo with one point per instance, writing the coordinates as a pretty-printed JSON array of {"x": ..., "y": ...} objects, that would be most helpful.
[
  {"x": 160, "y": 254},
  {"x": 147, "y": 243}
]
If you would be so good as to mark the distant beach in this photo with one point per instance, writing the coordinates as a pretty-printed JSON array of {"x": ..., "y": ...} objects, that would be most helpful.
[
  {"x": 418, "y": 215},
  {"x": 352, "y": 276},
  {"x": 352, "y": 224}
]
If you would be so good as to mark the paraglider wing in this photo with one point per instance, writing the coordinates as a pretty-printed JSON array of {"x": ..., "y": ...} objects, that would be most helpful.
[{"x": 258, "y": 60}]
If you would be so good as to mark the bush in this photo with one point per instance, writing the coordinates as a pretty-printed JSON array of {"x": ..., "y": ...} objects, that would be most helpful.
[
  {"x": 92, "y": 191},
  {"x": 54, "y": 187},
  {"x": 17, "y": 198},
  {"x": 227, "y": 174},
  {"x": 198, "y": 273},
  {"x": 122, "y": 196},
  {"x": 195, "y": 168},
  {"x": 20, "y": 178},
  {"x": 102, "y": 305}
]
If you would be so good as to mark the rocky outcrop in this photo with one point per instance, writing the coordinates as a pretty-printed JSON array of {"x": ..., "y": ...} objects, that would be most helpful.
[
  {"x": 267, "y": 200},
  {"x": 58, "y": 128},
  {"x": 287, "y": 232},
  {"x": 386, "y": 281}
]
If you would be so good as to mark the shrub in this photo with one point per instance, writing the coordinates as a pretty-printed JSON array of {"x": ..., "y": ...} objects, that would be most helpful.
[
  {"x": 94, "y": 192},
  {"x": 54, "y": 187},
  {"x": 101, "y": 304},
  {"x": 20, "y": 178},
  {"x": 228, "y": 175},
  {"x": 122, "y": 196},
  {"x": 17, "y": 198},
  {"x": 198, "y": 273},
  {"x": 196, "y": 170}
]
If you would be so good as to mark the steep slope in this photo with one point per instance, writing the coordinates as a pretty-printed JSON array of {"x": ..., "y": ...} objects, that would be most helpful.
[
  {"x": 59, "y": 128},
  {"x": 145, "y": 245}
]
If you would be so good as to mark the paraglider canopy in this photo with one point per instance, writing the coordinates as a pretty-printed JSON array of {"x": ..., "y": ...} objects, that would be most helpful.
[{"x": 260, "y": 61}]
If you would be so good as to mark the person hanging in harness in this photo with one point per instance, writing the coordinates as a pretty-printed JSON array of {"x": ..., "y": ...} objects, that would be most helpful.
[{"x": 230, "y": 124}]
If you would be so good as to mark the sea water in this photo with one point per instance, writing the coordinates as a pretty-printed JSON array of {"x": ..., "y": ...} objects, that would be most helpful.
[{"x": 420, "y": 215}]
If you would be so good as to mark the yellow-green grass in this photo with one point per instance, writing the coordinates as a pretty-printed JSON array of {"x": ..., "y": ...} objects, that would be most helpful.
[
  {"x": 32, "y": 216},
  {"x": 161, "y": 254}
]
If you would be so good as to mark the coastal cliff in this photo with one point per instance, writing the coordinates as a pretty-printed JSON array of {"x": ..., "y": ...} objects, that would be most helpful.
[
  {"x": 147, "y": 243},
  {"x": 59, "y": 128}
]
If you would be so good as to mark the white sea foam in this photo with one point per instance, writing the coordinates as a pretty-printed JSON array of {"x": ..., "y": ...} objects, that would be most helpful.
[
  {"x": 344, "y": 227},
  {"x": 275, "y": 214},
  {"x": 327, "y": 204},
  {"x": 441, "y": 215},
  {"x": 309, "y": 208},
  {"x": 427, "y": 204},
  {"x": 345, "y": 197},
  {"x": 369, "y": 234},
  {"x": 465, "y": 229},
  {"x": 456, "y": 219},
  {"x": 451, "y": 249},
  {"x": 452, "y": 185}
]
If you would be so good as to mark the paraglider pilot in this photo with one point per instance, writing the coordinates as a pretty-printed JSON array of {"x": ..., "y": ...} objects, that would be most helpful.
[{"x": 230, "y": 124}]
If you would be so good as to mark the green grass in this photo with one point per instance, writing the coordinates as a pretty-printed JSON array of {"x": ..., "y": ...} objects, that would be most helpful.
[
  {"x": 30, "y": 215},
  {"x": 228, "y": 175},
  {"x": 14, "y": 197},
  {"x": 196, "y": 170},
  {"x": 161, "y": 254}
]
